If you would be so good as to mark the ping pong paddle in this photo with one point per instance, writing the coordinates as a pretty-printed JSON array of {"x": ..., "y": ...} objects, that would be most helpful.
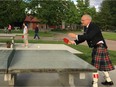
[
  {"x": 22, "y": 36},
  {"x": 66, "y": 40}
]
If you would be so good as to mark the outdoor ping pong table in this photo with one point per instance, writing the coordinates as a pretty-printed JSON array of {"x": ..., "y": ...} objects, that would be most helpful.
[{"x": 14, "y": 61}]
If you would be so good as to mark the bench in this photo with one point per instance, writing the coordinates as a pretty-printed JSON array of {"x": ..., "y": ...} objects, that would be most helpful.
[
  {"x": 16, "y": 28},
  {"x": 12, "y": 36}
]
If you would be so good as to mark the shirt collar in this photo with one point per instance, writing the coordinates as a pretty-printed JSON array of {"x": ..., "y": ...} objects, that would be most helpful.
[{"x": 87, "y": 26}]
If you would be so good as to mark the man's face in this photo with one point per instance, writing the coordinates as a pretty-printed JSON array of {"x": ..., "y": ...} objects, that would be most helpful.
[{"x": 85, "y": 21}]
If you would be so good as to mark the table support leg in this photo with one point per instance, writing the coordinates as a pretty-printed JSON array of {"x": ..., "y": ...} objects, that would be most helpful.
[
  {"x": 11, "y": 78},
  {"x": 12, "y": 81},
  {"x": 71, "y": 80},
  {"x": 12, "y": 42},
  {"x": 7, "y": 77}
]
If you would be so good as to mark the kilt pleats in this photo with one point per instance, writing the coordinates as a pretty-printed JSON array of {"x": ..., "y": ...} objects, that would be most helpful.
[{"x": 101, "y": 59}]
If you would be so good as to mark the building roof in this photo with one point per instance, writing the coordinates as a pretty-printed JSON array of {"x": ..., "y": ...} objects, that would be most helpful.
[{"x": 31, "y": 19}]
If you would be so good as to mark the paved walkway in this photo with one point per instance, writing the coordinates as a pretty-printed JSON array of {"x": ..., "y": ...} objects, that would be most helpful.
[{"x": 111, "y": 44}]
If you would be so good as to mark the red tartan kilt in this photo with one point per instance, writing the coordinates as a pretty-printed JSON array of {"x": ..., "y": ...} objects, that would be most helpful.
[{"x": 101, "y": 59}]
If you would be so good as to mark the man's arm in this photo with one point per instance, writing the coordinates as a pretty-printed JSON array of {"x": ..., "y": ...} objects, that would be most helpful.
[{"x": 76, "y": 41}]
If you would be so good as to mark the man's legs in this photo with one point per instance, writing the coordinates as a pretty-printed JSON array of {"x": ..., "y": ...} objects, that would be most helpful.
[
  {"x": 107, "y": 78},
  {"x": 95, "y": 79},
  {"x": 26, "y": 40},
  {"x": 35, "y": 36}
]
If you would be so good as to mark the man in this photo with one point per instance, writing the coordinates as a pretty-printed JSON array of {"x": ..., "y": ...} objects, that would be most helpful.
[
  {"x": 9, "y": 28},
  {"x": 95, "y": 40},
  {"x": 36, "y": 32}
]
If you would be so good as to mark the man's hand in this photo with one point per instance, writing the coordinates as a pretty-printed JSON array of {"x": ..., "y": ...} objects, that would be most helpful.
[
  {"x": 67, "y": 41},
  {"x": 72, "y": 35},
  {"x": 71, "y": 42}
]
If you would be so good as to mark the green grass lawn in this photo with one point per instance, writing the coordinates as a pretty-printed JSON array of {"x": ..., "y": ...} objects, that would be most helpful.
[
  {"x": 109, "y": 35},
  {"x": 87, "y": 53},
  {"x": 42, "y": 34},
  {"x": 106, "y": 35}
]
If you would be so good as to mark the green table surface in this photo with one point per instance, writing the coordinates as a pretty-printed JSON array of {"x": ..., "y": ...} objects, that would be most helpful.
[{"x": 48, "y": 61}]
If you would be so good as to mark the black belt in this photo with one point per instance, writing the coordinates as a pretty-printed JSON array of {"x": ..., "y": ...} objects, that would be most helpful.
[{"x": 99, "y": 45}]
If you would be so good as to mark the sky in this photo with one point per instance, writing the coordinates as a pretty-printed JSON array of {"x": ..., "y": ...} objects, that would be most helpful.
[{"x": 95, "y": 3}]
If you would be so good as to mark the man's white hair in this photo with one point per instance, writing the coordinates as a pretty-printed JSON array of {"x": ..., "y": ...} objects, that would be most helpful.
[{"x": 88, "y": 16}]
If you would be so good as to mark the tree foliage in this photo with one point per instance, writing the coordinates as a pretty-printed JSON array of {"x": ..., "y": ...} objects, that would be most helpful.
[
  {"x": 11, "y": 11},
  {"x": 83, "y": 7},
  {"x": 54, "y": 12},
  {"x": 51, "y": 12},
  {"x": 107, "y": 15},
  {"x": 72, "y": 15}
]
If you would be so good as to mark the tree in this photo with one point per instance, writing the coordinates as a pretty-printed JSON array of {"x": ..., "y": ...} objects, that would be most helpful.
[
  {"x": 11, "y": 11},
  {"x": 107, "y": 15},
  {"x": 71, "y": 13},
  {"x": 54, "y": 12},
  {"x": 83, "y": 7},
  {"x": 51, "y": 12}
]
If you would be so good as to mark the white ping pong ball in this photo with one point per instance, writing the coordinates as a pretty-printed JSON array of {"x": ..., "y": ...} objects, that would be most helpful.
[{"x": 38, "y": 46}]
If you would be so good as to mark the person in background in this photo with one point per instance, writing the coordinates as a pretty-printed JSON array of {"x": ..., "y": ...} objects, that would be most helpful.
[
  {"x": 25, "y": 33},
  {"x": 36, "y": 32},
  {"x": 9, "y": 28},
  {"x": 100, "y": 55}
]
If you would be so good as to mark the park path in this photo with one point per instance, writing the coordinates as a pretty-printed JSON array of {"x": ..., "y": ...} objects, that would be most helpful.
[
  {"x": 111, "y": 44},
  {"x": 59, "y": 37}
]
